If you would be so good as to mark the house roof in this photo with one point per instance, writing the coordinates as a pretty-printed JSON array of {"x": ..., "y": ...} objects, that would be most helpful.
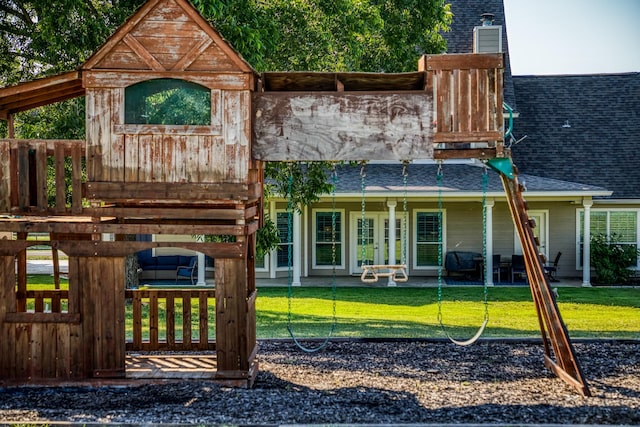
[
  {"x": 583, "y": 128},
  {"x": 466, "y": 16},
  {"x": 457, "y": 180}
]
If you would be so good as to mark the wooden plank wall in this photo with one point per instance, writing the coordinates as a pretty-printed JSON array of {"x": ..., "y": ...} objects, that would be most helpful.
[
  {"x": 103, "y": 325},
  {"x": 168, "y": 154},
  {"x": 45, "y": 347}
]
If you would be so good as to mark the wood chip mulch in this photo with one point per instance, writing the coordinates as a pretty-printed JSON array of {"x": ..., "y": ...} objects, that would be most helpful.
[{"x": 355, "y": 382}]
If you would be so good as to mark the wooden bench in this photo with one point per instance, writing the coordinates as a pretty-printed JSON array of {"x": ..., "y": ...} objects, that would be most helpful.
[{"x": 371, "y": 273}]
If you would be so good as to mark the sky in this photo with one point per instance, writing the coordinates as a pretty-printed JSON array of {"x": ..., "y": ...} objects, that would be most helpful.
[{"x": 573, "y": 36}]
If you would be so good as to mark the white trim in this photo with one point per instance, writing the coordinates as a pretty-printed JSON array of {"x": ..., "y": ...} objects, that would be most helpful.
[
  {"x": 340, "y": 241},
  {"x": 415, "y": 238}
]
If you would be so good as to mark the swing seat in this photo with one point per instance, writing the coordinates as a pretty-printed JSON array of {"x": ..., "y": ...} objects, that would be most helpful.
[{"x": 371, "y": 273}]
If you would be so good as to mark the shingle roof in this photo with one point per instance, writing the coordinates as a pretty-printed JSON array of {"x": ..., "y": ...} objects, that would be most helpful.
[
  {"x": 456, "y": 178},
  {"x": 601, "y": 145},
  {"x": 466, "y": 16}
]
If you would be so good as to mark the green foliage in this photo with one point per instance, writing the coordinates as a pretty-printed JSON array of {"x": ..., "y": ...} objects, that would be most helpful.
[
  {"x": 267, "y": 237},
  {"x": 612, "y": 259},
  {"x": 301, "y": 183}
]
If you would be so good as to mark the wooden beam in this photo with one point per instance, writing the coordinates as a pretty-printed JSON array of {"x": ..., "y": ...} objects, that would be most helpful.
[
  {"x": 148, "y": 193},
  {"x": 462, "y": 61}
]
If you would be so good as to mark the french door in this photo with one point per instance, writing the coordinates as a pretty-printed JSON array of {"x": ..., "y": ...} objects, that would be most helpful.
[{"x": 374, "y": 249}]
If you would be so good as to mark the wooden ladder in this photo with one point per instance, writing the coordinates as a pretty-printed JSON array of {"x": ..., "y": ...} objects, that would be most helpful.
[{"x": 555, "y": 336}]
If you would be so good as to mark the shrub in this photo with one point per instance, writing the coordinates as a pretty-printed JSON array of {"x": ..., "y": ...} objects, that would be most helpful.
[{"x": 612, "y": 259}]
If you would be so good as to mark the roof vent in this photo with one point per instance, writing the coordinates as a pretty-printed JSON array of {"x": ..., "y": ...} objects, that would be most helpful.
[
  {"x": 488, "y": 37},
  {"x": 487, "y": 19}
]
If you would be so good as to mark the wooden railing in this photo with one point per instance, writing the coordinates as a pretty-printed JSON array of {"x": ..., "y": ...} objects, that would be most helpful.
[
  {"x": 171, "y": 319},
  {"x": 44, "y": 301},
  {"x": 468, "y": 116},
  {"x": 24, "y": 171}
]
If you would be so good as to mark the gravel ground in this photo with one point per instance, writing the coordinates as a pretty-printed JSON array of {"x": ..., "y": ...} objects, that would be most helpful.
[{"x": 367, "y": 383}]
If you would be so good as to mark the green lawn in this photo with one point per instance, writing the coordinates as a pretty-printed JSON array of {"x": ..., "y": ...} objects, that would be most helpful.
[{"x": 412, "y": 312}]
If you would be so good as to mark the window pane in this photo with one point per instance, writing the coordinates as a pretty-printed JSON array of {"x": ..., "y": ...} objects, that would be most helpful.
[
  {"x": 282, "y": 224},
  {"x": 624, "y": 225},
  {"x": 167, "y": 102},
  {"x": 428, "y": 226},
  {"x": 324, "y": 238}
]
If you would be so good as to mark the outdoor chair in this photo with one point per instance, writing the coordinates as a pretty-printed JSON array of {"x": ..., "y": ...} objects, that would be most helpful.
[
  {"x": 497, "y": 268},
  {"x": 188, "y": 271},
  {"x": 518, "y": 267},
  {"x": 551, "y": 269}
]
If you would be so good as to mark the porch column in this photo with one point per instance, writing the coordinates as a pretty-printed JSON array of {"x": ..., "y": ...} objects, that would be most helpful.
[
  {"x": 297, "y": 249},
  {"x": 489, "y": 241},
  {"x": 586, "y": 244},
  {"x": 391, "y": 204},
  {"x": 201, "y": 269},
  {"x": 273, "y": 256}
]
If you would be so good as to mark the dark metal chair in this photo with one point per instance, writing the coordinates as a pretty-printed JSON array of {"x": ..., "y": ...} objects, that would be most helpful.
[
  {"x": 188, "y": 271},
  {"x": 497, "y": 268},
  {"x": 552, "y": 269},
  {"x": 518, "y": 267}
]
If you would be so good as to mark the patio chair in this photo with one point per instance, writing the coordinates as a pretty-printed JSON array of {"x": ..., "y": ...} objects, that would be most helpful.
[
  {"x": 518, "y": 268},
  {"x": 552, "y": 269},
  {"x": 188, "y": 271},
  {"x": 497, "y": 268}
]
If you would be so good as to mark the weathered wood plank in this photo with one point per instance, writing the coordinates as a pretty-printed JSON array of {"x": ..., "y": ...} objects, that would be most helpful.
[
  {"x": 76, "y": 179},
  {"x": 464, "y": 61},
  {"x": 61, "y": 197},
  {"x": 342, "y": 126},
  {"x": 41, "y": 174},
  {"x": 170, "y": 320},
  {"x": 5, "y": 177},
  {"x": 153, "y": 321},
  {"x": 137, "y": 319},
  {"x": 131, "y": 159},
  {"x": 98, "y": 133},
  {"x": 135, "y": 129},
  {"x": 186, "y": 318},
  {"x": 185, "y": 192},
  {"x": 23, "y": 174},
  {"x": 463, "y": 137},
  {"x": 223, "y": 81},
  {"x": 145, "y": 163},
  {"x": 203, "y": 321}
]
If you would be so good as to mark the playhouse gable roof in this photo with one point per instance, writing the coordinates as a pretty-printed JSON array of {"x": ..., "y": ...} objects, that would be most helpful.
[{"x": 167, "y": 35}]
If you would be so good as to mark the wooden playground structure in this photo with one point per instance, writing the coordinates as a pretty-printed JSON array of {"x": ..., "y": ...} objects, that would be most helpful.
[{"x": 207, "y": 179}]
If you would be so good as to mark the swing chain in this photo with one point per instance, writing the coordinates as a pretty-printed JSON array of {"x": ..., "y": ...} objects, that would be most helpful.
[
  {"x": 334, "y": 223},
  {"x": 364, "y": 227},
  {"x": 405, "y": 219},
  {"x": 485, "y": 183},
  {"x": 440, "y": 238}
]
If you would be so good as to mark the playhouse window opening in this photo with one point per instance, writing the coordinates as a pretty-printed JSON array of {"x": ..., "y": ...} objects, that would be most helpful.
[
  {"x": 42, "y": 292},
  {"x": 167, "y": 102}
]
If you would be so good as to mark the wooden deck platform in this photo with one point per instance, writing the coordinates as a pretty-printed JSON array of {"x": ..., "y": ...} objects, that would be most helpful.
[{"x": 171, "y": 366}]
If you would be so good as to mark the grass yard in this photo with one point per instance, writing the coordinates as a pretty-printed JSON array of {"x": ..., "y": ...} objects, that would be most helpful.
[{"x": 413, "y": 312}]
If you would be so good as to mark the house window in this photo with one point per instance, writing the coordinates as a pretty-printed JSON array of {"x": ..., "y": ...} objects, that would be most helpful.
[
  {"x": 167, "y": 102},
  {"x": 323, "y": 239},
  {"x": 427, "y": 239},
  {"x": 284, "y": 223},
  {"x": 621, "y": 222}
]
